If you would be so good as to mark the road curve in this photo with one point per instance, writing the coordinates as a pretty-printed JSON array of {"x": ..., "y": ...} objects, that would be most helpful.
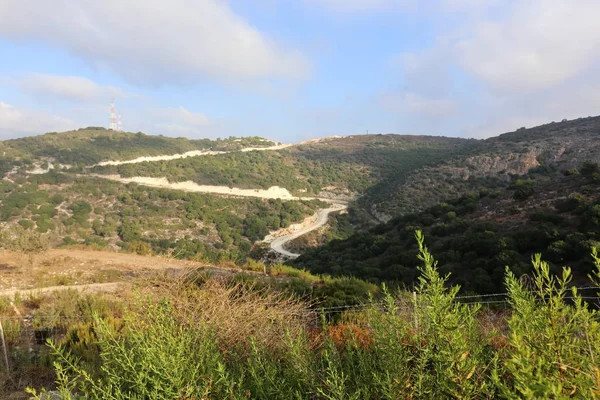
[
  {"x": 322, "y": 216},
  {"x": 273, "y": 192}
]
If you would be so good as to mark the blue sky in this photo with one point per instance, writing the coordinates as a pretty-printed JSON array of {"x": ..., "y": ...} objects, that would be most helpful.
[{"x": 292, "y": 70}]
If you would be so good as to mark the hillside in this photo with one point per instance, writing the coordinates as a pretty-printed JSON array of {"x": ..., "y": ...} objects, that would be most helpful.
[
  {"x": 91, "y": 145},
  {"x": 104, "y": 214},
  {"x": 201, "y": 331},
  {"x": 189, "y": 309},
  {"x": 347, "y": 166},
  {"x": 389, "y": 174},
  {"x": 561, "y": 145},
  {"x": 384, "y": 176},
  {"x": 549, "y": 211}
]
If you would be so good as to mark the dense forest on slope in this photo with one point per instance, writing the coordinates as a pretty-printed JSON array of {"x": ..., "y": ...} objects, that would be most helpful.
[
  {"x": 477, "y": 235},
  {"x": 91, "y": 145},
  {"x": 103, "y": 213}
]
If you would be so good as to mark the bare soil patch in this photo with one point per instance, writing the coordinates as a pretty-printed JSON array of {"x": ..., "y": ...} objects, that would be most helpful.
[{"x": 68, "y": 267}]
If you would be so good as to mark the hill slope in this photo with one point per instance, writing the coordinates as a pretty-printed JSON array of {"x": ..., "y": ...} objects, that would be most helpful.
[
  {"x": 476, "y": 236},
  {"x": 387, "y": 175},
  {"x": 91, "y": 145},
  {"x": 490, "y": 164},
  {"x": 392, "y": 174},
  {"x": 345, "y": 165}
]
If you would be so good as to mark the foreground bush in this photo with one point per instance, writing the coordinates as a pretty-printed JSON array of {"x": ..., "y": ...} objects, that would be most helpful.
[{"x": 209, "y": 340}]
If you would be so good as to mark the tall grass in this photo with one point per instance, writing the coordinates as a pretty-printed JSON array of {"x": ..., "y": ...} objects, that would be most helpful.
[{"x": 211, "y": 340}]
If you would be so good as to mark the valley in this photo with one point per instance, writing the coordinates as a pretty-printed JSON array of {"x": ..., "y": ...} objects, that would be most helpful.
[
  {"x": 167, "y": 200},
  {"x": 323, "y": 229},
  {"x": 300, "y": 200}
]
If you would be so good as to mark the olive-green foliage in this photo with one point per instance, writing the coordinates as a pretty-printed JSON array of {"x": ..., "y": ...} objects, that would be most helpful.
[
  {"x": 22, "y": 239},
  {"x": 91, "y": 145},
  {"x": 590, "y": 168},
  {"x": 255, "y": 169},
  {"x": 158, "y": 359},
  {"x": 382, "y": 161},
  {"x": 434, "y": 351},
  {"x": 98, "y": 212},
  {"x": 428, "y": 347},
  {"x": 523, "y": 189},
  {"x": 474, "y": 239},
  {"x": 554, "y": 342},
  {"x": 343, "y": 292}
]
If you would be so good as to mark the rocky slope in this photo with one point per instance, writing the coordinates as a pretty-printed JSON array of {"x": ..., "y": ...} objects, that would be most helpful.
[{"x": 491, "y": 162}]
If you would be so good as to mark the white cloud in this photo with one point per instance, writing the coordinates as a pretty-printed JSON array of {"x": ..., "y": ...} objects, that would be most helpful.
[
  {"x": 73, "y": 88},
  {"x": 522, "y": 63},
  {"x": 540, "y": 43},
  {"x": 507, "y": 113},
  {"x": 155, "y": 41},
  {"x": 16, "y": 122},
  {"x": 426, "y": 72}
]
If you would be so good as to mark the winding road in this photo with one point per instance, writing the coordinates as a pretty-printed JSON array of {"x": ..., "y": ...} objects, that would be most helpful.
[
  {"x": 279, "y": 242},
  {"x": 276, "y": 239},
  {"x": 274, "y": 192}
]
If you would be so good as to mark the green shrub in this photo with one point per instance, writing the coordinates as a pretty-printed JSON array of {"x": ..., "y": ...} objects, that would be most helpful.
[
  {"x": 207, "y": 340},
  {"x": 24, "y": 241},
  {"x": 26, "y": 223},
  {"x": 156, "y": 359},
  {"x": 571, "y": 172},
  {"x": 523, "y": 189},
  {"x": 590, "y": 168},
  {"x": 553, "y": 342}
]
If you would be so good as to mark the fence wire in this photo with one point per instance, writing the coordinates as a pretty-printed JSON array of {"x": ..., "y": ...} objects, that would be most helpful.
[{"x": 27, "y": 332}]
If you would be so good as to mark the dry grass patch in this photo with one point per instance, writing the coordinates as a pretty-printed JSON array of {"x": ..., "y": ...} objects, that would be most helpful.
[{"x": 238, "y": 312}]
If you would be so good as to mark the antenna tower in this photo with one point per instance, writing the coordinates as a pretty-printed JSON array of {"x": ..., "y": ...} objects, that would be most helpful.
[
  {"x": 113, "y": 116},
  {"x": 120, "y": 123}
]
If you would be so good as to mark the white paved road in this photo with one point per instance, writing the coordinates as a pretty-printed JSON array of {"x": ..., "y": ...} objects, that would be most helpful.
[{"x": 322, "y": 216}]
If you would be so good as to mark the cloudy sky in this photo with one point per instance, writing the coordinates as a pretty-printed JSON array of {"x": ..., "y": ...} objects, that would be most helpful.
[{"x": 291, "y": 70}]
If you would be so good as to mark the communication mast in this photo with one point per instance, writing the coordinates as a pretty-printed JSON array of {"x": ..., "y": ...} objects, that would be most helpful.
[
  {"x": 113, "y": 116},
  {"x": 120, "y": 123}
]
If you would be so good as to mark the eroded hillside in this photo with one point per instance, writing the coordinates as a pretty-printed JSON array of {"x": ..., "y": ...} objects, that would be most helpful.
[{"x": 490, "y": 164}]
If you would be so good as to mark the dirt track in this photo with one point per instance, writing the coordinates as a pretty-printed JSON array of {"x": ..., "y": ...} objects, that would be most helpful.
[
  {"x": 277, "y": 239},
  {"x": 278, "y": 243},
  {"x": 76, "y": 267},
  {"x": 274, "y": 192},
  {"x": 194, "y": 153},
  {"x": 18, "y": 275}
]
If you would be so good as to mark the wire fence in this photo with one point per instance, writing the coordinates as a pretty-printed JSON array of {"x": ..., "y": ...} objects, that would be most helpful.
[
  {"x": 465, "y": 299},
  {"x": 18, "y": 332}
]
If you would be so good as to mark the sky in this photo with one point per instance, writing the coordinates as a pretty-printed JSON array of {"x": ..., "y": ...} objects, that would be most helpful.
[{"x": 292, "y": 70}]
